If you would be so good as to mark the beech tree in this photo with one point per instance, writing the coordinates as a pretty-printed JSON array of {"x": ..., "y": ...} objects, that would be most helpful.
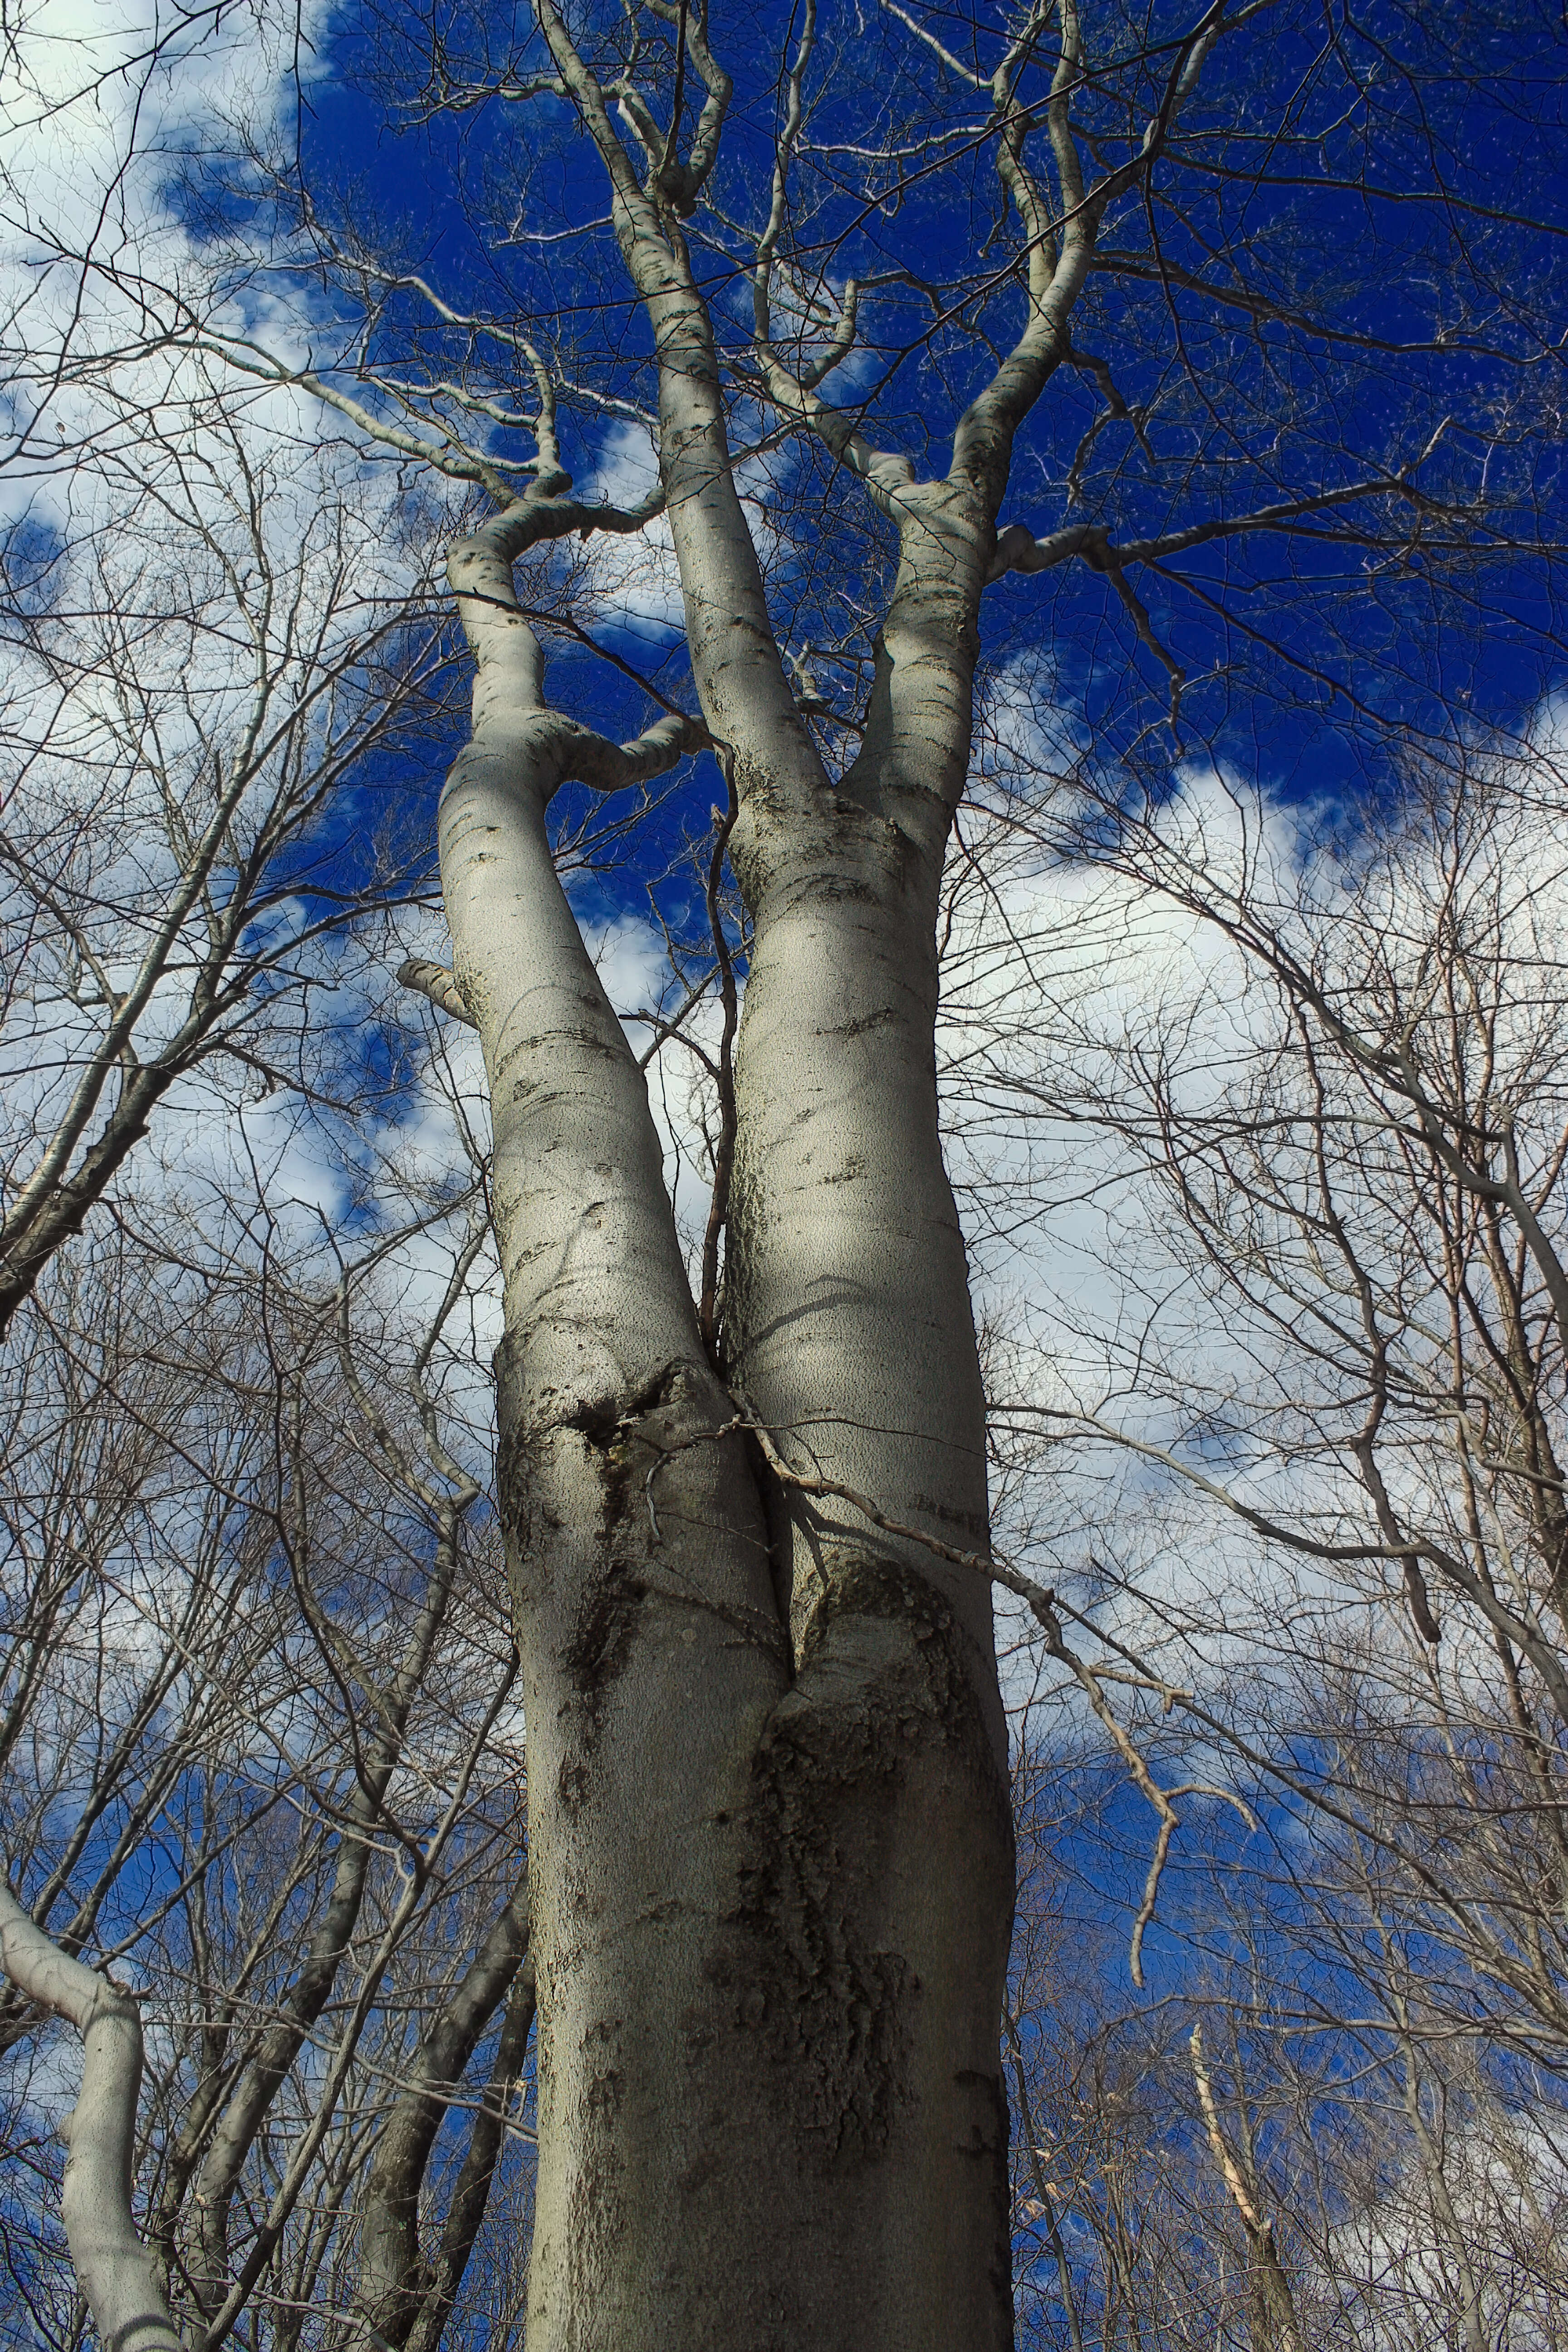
[{"x": 846, "y": 280}]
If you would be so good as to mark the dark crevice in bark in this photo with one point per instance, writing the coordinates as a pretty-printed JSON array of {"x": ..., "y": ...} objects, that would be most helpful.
[
  {"x": 710, "y": 1305},
  {"x": 775, "y": 1504},
  {"x": 606, "y": 1423},
  {"x": 600, "y": 1647}
]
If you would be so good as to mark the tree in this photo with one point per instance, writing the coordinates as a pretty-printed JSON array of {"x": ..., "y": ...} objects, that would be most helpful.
[
  {"x": 197, "y": 670},
  {"x": 769, "y": 1856},
  {"x": 1322, "y": 1092}
]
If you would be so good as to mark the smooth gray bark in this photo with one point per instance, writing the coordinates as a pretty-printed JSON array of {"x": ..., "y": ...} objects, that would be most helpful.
[
  {"x": 770, "y": 1851},
  {"x": 771, "y": 1843},
  {"x": 117, "y": 2273}
]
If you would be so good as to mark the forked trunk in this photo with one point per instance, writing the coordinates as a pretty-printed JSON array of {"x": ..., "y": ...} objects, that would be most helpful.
[
  {"x": 771, "y": 1919},
  {"x": 770, "y": 1843}
]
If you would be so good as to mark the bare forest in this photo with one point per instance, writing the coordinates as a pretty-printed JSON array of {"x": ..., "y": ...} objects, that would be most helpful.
[{"x": 783, "y": 1251}]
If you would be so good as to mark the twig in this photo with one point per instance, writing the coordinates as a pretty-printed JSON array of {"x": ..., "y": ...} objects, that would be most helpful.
[{"x": 434, "y": 981}]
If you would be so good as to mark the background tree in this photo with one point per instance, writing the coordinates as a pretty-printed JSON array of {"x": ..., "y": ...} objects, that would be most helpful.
[{"x": 1322, "y": 1092}]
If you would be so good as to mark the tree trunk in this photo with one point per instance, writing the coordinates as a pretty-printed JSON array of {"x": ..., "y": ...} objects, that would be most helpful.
[
  {"x": 770, "y": 1844},
  {"x": 117, "y": 2273}
]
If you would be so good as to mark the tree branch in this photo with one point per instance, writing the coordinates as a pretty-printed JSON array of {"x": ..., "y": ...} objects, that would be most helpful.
[{"x": 118, "y": 2275}]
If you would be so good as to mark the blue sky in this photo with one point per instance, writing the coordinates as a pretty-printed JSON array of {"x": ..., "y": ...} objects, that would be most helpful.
[{"x": 1385, "y": 185}]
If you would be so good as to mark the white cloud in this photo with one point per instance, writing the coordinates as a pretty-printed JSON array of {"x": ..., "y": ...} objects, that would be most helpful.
[
  {"x": 1081, "y": 1006},
  {"x": 631, "y": 585}
]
